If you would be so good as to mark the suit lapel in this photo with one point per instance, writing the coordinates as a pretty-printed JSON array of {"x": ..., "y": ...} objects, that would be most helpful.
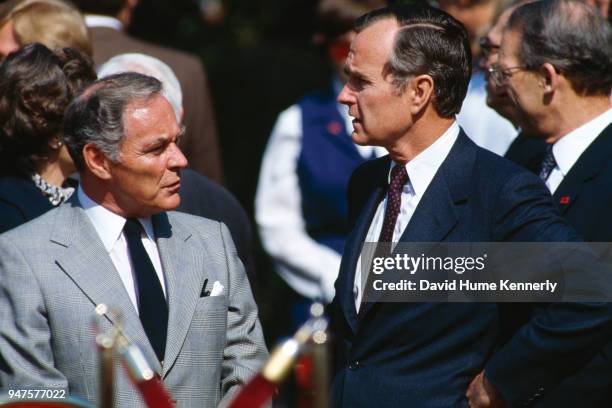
[
  {"x": 588, "y": 165},
  {"x": 432, "y": 220},
  {"x": 435, "y": 215},
  {"x": 84, "y": 259},
  {"x": 183, "y": 265},
  {"x": 354, "y": 244}
]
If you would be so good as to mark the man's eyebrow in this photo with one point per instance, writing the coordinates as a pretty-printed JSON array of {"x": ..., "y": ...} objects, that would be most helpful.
[
  {"x": 167, "y": 138},
  {"x": 355, "y": 74},
  {"x": 160, "y": 140}
]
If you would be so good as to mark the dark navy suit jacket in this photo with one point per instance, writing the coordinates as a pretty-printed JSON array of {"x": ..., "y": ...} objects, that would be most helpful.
[
  {"x": 527, "y": 151},
  {"x": 584, "y": 198},
  {"x": 426, "y": 354},
  {"x": 20, "y": 202}
]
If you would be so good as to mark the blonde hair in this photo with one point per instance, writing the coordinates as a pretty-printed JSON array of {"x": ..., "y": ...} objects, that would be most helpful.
[{"x": 53, "y": 23}]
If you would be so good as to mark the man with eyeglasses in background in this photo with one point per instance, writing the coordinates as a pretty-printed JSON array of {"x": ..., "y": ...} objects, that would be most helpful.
[
  {"x": 555, "y": 66},
  {"x": 482, "y": 124},
  {"x": 497, "y": 98}
]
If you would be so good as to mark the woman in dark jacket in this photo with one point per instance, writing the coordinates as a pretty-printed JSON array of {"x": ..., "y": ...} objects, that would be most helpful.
[{"x": 36, "y": 87}]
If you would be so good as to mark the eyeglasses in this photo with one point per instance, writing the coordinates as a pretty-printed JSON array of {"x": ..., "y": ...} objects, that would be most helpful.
[
  {"x": 501, "y": 75},
  {"x": 487, "y": 47}
]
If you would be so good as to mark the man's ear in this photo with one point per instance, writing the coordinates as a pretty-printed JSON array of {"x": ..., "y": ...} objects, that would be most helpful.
[
  {"x": 96, "y": 161},
  {"x": 420, "y": 90},
  {"x": 549, "y": 77}
]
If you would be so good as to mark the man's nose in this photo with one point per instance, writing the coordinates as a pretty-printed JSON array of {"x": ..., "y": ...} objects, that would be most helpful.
[
  {"x": 488, "y": 60},
  {"x": 177, "y": 158},
  {"x": 346, "y": 96}
]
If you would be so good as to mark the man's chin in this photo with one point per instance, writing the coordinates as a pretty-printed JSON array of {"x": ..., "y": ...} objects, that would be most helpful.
[
  {"x": 504, "y": 107},
  {"x": 170, "y": 203},
  {"x": 360, "y": 139},
  {"x": 174, "y": 202}
]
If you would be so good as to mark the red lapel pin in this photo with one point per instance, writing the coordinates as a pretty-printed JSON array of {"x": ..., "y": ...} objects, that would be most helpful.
[
  {"x": 334, "y": 128},
  {"x": 564, "y": 200}
]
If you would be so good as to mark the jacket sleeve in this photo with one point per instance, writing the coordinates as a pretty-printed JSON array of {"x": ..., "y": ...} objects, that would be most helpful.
[
  {"x": 560, "y": 337},
  {"x": 26, "y": 356}
]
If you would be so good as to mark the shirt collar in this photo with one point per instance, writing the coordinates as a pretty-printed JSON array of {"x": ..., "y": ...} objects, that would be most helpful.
[
  {"x": 422, "y": 168},
  {"x": 96, "y": 20},
  {"x": 568, "y": 149},
  {"x": 109, "y": 225}
]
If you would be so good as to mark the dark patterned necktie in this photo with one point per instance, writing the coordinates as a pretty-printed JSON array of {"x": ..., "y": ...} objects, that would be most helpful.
[
  {"x": 152, "y": 307},
  {"x": 399, "y": 177},
  {"x": 548, "y": 164}
]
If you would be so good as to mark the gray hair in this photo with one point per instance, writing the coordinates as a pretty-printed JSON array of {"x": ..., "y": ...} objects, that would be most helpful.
[
  {"x": 147, "y": 65},
  {"x": 570, "y": 35},
  {"x": 96, "y": 116},
  {"x": 430, "y": 42}
]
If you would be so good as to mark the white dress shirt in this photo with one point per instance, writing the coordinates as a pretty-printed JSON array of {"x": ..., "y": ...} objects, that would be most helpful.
[
  {"x": 568, "y": 149},
  {"x": 109, "y": 227},
  {"x": 421, "y": 170},
  {"x": 482, "y": 124},
  {"x": 307, "y": 266}
]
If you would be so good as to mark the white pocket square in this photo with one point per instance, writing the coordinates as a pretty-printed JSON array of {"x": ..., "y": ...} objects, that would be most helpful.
[{"x": 217, "y": 289}]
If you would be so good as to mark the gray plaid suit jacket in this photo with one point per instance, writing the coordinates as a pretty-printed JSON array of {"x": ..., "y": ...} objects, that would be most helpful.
[{"x": 54, "y": 270}]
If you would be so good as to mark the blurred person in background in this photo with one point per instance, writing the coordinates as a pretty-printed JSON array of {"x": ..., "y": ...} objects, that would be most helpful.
[
  {"x": 497, "y": 98},
  {"x": 300, "y": 204},
  {"x": 602, "y": 5},
  {"x": 199, "y": 195},
  {"x": 108, "y": 21},
  {"x": 36, "y": 87},
  {"x": 561, "y": 97},
  {"x": 213, "y": 11},
  {"x": 53, "y": 23},
  {"x": 484, "y": 126},
  {"x": 475, "y": 15}
]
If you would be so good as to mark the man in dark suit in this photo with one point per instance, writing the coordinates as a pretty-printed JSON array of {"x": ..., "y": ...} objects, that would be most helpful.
[
  {"x": 561, "y": 97},
  {"x": 408, "y": 70},
  {"x": 522, "y": 147},
  {"x": 107, "y": 20}
]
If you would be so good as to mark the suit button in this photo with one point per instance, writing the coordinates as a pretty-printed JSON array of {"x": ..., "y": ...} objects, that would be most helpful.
[{"x": 354, "y": 365}]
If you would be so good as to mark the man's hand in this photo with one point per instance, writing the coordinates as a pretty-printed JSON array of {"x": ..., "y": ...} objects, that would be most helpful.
[{"x": 482, "y": 394}]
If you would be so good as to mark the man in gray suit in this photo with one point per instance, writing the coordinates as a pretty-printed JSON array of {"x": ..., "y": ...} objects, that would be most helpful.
[{"x": 176, "y": 279}]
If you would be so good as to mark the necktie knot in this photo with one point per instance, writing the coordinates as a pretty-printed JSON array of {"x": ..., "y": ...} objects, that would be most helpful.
[
  {"x": 132, "y": 227},
  {"x": 548, "y": 164}
]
